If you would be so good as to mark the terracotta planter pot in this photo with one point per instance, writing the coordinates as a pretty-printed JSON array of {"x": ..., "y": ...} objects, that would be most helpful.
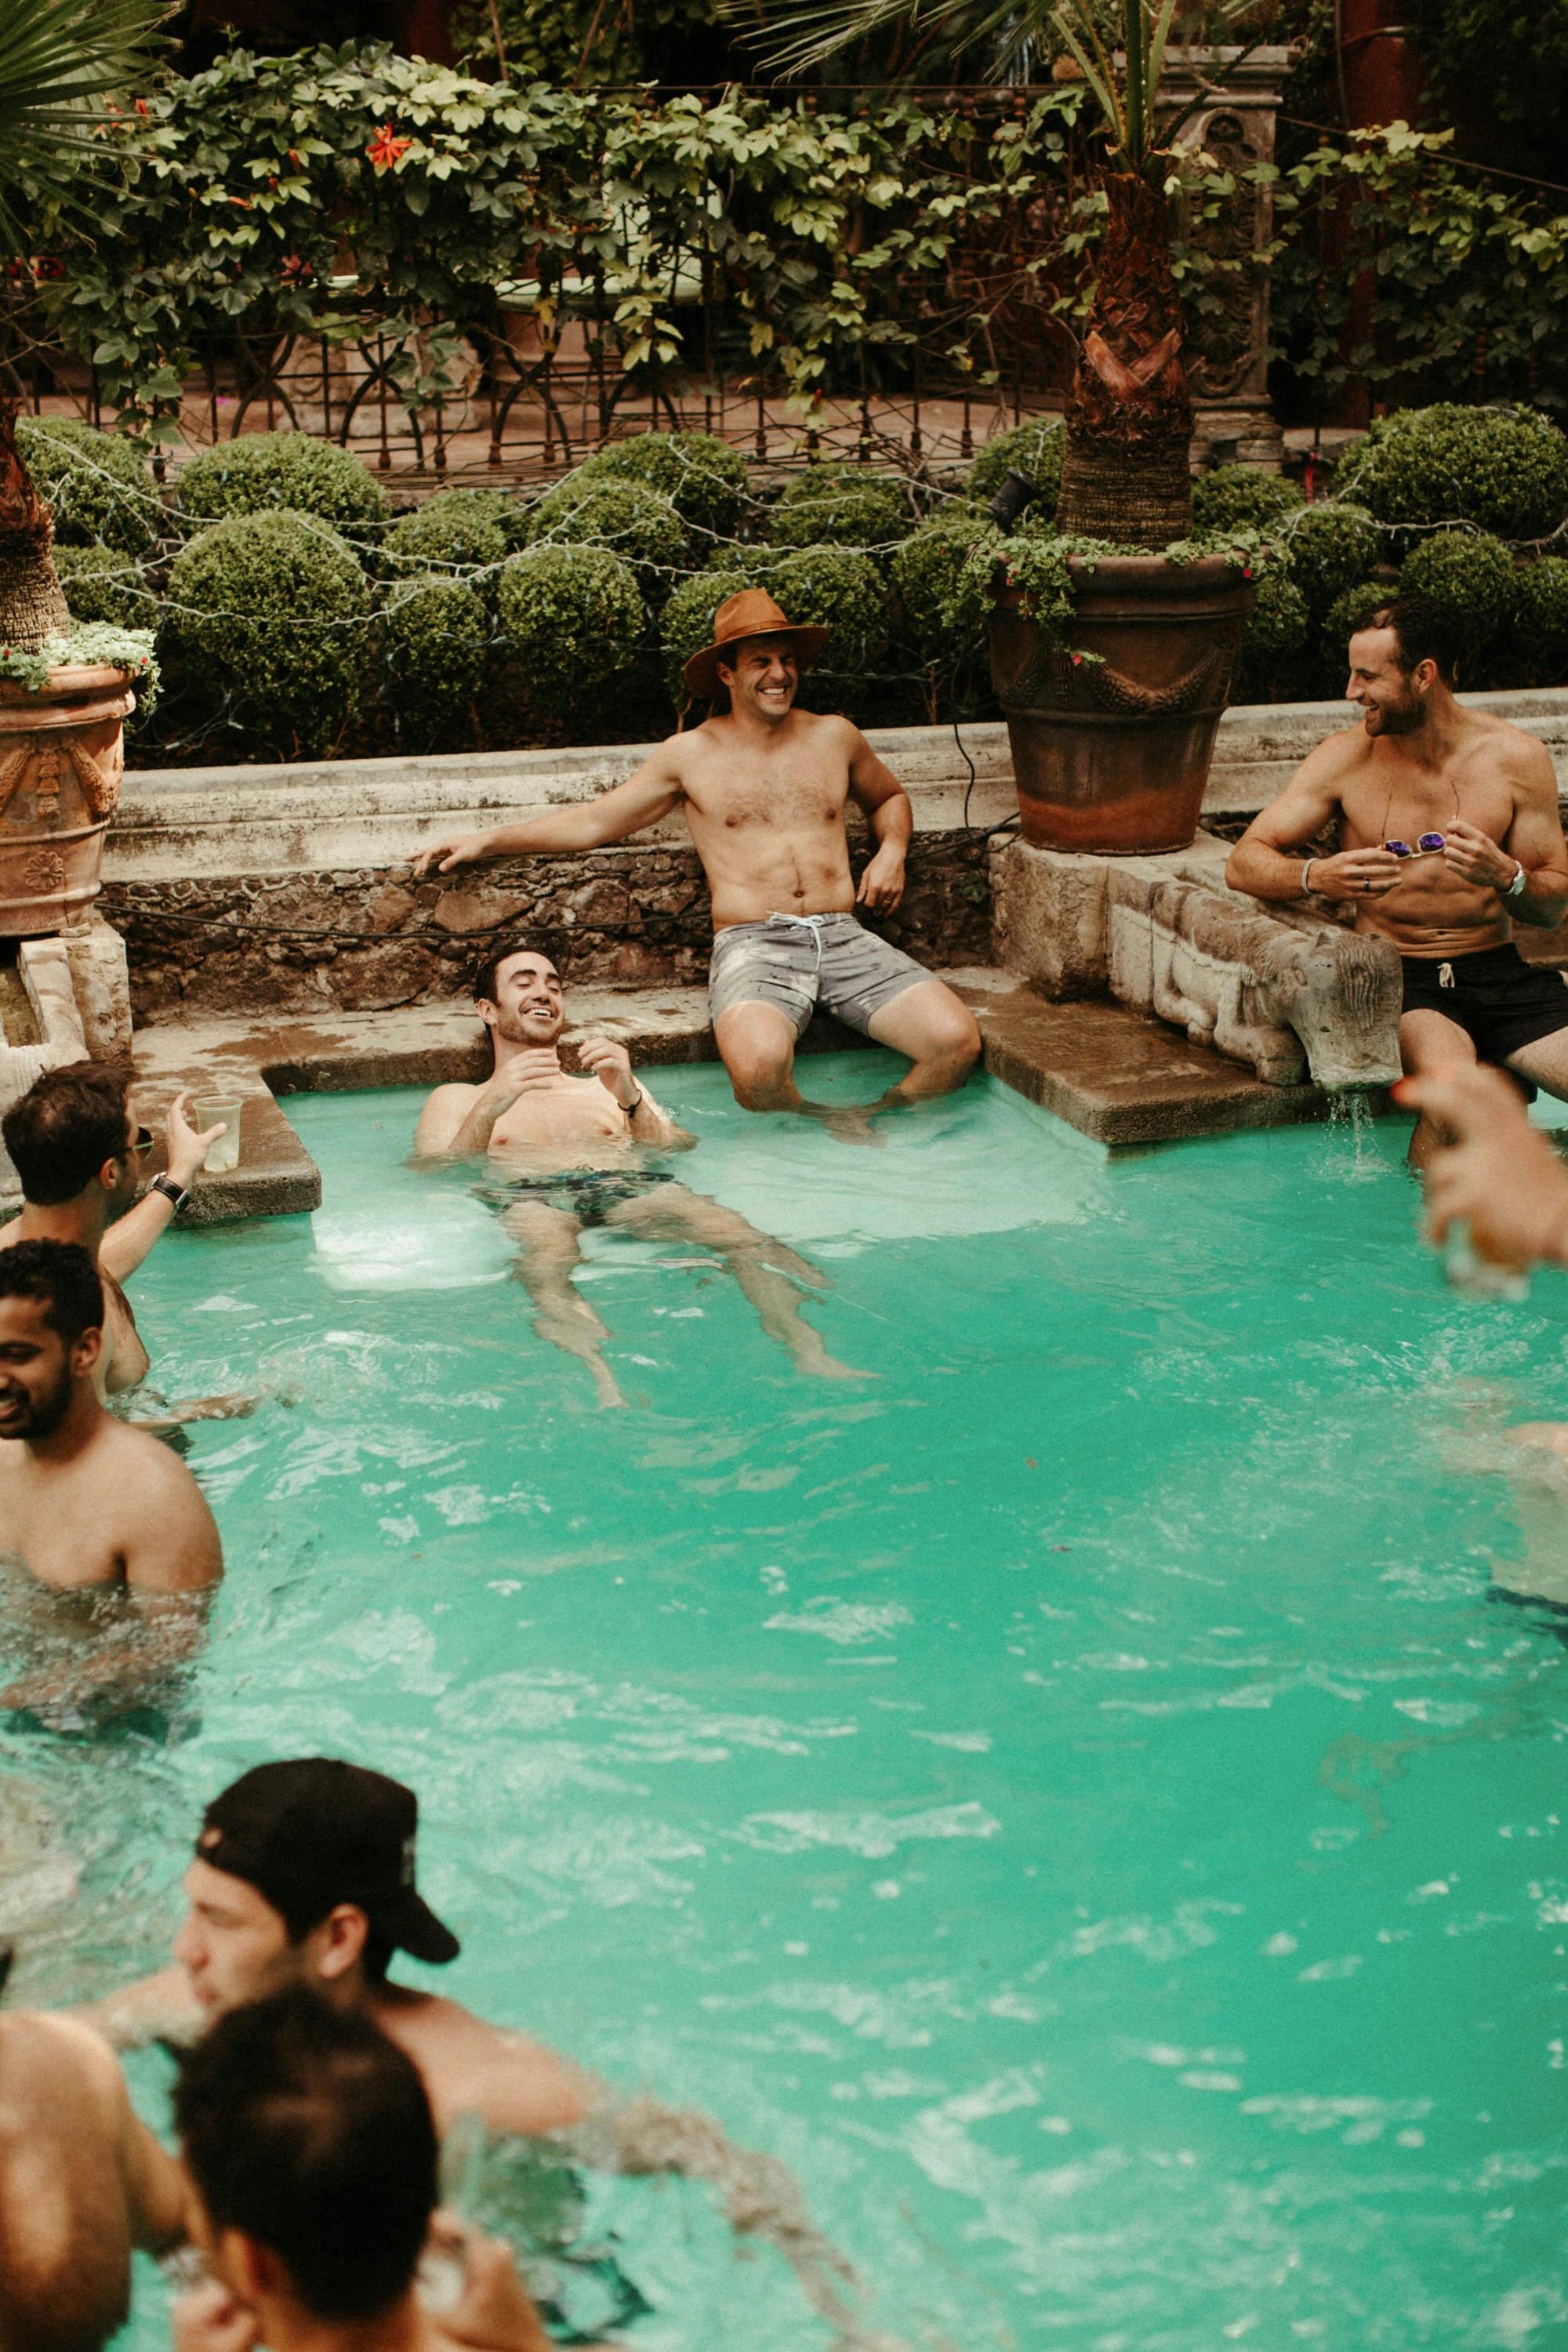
[
  {"x": 1113, "y": 755},
  {"x": 61, "y": 758}
]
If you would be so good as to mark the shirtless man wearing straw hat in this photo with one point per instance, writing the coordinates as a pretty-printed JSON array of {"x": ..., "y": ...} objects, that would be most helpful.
[{"x": 764, "y": 788}]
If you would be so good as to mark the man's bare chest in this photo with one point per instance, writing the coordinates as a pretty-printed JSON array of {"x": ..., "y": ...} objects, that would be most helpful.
[
  {"x": 1402, "y": 804},
  {"x": 66, "y": 1530},
  {"x": 791, "y": 797},
  {"x": 579, "y": 1111}
]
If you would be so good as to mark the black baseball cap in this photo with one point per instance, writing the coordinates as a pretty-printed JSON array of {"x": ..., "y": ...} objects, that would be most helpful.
[{"x": 312, "y": 1832}]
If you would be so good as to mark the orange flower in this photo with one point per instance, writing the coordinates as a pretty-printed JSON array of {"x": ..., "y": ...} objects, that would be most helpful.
[{"x": 387, "y": 150}]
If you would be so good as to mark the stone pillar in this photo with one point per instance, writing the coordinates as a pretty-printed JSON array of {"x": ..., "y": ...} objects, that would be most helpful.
[{"x": 1228, "y": 364}]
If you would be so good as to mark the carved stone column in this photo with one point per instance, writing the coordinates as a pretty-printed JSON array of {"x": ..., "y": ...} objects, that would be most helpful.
[{"x": 1226, "y": 359}]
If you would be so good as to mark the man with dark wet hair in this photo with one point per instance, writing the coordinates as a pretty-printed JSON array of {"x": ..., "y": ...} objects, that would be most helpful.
[
  {"x": 1448, "y": 834},
  {"x": 304, "y": 1873},
  {"x": 81, "y": 2182},
  {"x": 89, "y": 1507},
  {"x": 567, "y": 1145},
  {"x": 312, "y": 2155},
  {"x": 79, "y": 1157}
]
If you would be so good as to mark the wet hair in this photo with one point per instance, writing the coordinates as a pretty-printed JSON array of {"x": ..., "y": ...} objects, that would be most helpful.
[
  {"x": 63, "y": 1279},
  {"x": 306, "y": 2128},
  {"x": 1423, "y": 631},
  {"x": 489, "y": 972},
  {"x": 65, "y": 1127}
]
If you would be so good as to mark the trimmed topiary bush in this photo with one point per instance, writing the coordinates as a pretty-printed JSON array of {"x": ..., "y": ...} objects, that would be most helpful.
[
  {"x": 1539, "y": 632},
  {"x": 1344, "y": 616},
  {"x": 433, "y": 640},
  {"x": 456, "y": 531},
  {"x": 943, "y": 610},
  {"x": 100, "y": 584},
  {"x": 576, "y": 617},
  {"x": 1472, "y": 576},
  {"x": 1503, "y": 469},
  {"x": 1240, "y": 497},
  {"x": 704, "y": 479},
  {"x": 263, "y": 471},
  {"x": 266, "y": 611},
  {"x": 1330, "y": 547},
  {"x": 96, "y": 484},
  {"x": 1274, "y": 641},
  {"x": 687, "y": 625},
  {"x": 1034, "y": 450},
  {"x": 841, "y": 506},
  {"x": 632, "y": 521},
  {"x": 844, "y": 591}
]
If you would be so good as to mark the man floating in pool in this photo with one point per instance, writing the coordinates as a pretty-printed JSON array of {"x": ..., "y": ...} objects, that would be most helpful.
[
  {"x": 89, "y": 1507},
  {"x": 764, "y": 788},
  {"x": 568, "y": 1147},
  {"x": 1448, "y": 832}
]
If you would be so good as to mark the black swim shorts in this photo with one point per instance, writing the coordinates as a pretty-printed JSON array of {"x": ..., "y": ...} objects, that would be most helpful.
[
  {"x": 588, "y": 1193},
  {"x": 1501, "y": 1002}
]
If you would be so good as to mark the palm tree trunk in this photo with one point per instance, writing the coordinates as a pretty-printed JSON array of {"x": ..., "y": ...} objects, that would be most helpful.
[
  {"x": 32, "y": 603},
  {"x": 1125, "y": 471}
]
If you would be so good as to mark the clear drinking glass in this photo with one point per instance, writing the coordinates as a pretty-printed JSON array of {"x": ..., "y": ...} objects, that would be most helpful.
[{"x": 209, "y": 1111}]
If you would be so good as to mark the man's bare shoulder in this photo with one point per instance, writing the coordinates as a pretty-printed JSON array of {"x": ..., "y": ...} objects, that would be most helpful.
[
  {"x": 516, "y": 2082},
  {"x": 1523, "y": 757},
  {"x": 62, "y": 2056},
  {"x": 455, "y": 1096},
  {"x": 1339, "y": 757}
]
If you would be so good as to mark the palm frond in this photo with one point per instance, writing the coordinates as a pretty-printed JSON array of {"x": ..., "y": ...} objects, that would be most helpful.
[{"x": 57, "y": 58}]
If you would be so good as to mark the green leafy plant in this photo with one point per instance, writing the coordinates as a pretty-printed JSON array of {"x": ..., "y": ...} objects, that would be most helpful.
[
  {"x": 1538, "y": 632},
  {"x": 433, "y": 640},
  {"x": 1472, "y": 575},
  {"x": 1034, "y": 450},
  {"x": 631, "y": 520},
  {"x": 704, "y": 479},
  {"x": 842, "y": 591},
  {"x": 942, "y": 600},
  {"x": 266, "y": 610},
  {"x": 1345, "y": 615},
  {"x": 262, "y": 472},
  {"x": 577, "y": 620},
  {"x": 87, "y": 644},
  {"x": 1330, "y": 547},
  {"x": 456, "y": 531},
  {"x": 1504, "y": 470},
  {"x": 1232, "y": 498},
  {"x": 95, "y": 485},
  {"x": 841, "y": 506},
  {"x": 1275, "y": 639},
  {"x": 103, "y": 584}
]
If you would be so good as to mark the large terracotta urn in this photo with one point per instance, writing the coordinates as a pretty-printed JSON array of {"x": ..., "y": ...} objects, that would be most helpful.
[
  {"x": 61, "y": 759},
  {"x": 1112, "y": 755}
]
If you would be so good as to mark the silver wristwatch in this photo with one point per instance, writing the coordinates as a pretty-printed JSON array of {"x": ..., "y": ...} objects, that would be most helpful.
[
  {"x": 170, "y": 1191},
  {"x": 1516, "y": 888}
]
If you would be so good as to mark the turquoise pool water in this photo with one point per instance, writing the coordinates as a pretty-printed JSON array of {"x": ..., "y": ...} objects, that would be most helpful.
[{"x": 1081, "y": 1797}]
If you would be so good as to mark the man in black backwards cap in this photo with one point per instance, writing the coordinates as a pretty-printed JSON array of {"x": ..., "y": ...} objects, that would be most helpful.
[{"x": 304, "y": 1873}]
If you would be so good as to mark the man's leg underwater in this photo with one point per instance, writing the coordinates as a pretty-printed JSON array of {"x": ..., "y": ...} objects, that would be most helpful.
[
  {"x": 760, "y": 1266},
  {"x": 1427, "y": 1040},
  {"x": 939, "y": 1034},
  {"x": 548, "y": 1254},
  {"x": 757, "y": 1044}
]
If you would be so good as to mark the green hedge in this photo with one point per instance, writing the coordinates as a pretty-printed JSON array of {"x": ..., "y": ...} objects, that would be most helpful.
[
  {"x": 434, "y": 643},
  {"x": 635, "y": 523},
  {"x": 456, "y": 531},
  {"x": 1034, "y": 450},
  {"x": 1275, "y": 640},
  {"x": 687, "y": 623},
  {"x": 96, "y": 484},
  {"x": 264, "y": 471},
  {"x": 1241, "y": 498},
  {"x": 1472, "y": 576},
  {"x": 576, "y": 619},
  {"x": 1504, "y": 470},
  {"x": 1538, "y": 637},
  {"x": 942, "y": 619},
  {"x": 1328, "y": 548},
  {"x": 1344, "y": 616},
  {"x": 103, "y": 584},
  {"x": 704, "y": 479},
  {"x": 265, "y": 611},
  {"x": 841, "y": 506}
]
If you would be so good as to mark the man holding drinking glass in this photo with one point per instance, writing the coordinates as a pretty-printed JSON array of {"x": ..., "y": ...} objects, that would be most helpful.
[
  {"x": 79, "y": 1157},
  {"x": 1448, "y": 834}
]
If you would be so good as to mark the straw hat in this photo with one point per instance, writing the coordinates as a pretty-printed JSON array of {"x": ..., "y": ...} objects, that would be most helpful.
[{"x": 752, "y": 614}]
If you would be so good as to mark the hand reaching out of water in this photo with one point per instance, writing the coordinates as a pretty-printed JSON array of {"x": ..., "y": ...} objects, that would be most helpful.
[
  {"x": 187, "y": 1146},
  {"x": 1493, "y": 1172},
  {"x": 207, "y": 2318},
  {"x": 524, "y": 1073},
  {"x": 495, "y": 2312}
]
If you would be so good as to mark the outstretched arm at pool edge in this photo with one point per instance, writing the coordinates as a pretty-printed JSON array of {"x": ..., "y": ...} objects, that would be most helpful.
[
  {"x": 1269, "y": 861},
  {"x": 642, "y": 800}
]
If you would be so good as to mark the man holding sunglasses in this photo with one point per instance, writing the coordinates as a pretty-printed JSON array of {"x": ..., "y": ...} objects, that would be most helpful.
[
  {"x": 81, "y": 1158},
  {"x": 1448, "y": 834}
]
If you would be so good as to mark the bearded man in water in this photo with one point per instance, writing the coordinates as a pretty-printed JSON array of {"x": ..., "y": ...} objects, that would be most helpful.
[
  {"x": 763, "y": 788},
  {"x": 1449, "y": 832},
  {"x": 567, "y": 1146}
]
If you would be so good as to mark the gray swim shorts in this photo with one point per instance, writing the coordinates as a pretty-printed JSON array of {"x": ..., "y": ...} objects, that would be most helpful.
[{"x": 798, "y": 961}]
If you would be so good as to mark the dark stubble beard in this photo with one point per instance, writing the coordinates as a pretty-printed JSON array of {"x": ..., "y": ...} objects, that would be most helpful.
[
  {"x": 46, "y": 1414},
  {"x": 520, "y": 1030},
  {"x": 1401, "y": 717}
]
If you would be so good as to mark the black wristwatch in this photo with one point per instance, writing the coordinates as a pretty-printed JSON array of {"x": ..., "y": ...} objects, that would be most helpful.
[{"x": 170, "y": 1191}]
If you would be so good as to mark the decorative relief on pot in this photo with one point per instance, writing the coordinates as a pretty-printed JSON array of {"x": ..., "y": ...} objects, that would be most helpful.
[
  {"x": 44, "y": 872},
  {"x": 1055, "y": 680}
]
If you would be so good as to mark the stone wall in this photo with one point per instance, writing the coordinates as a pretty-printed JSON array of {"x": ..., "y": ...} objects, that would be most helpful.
[{"x": 369, "y": 938}]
